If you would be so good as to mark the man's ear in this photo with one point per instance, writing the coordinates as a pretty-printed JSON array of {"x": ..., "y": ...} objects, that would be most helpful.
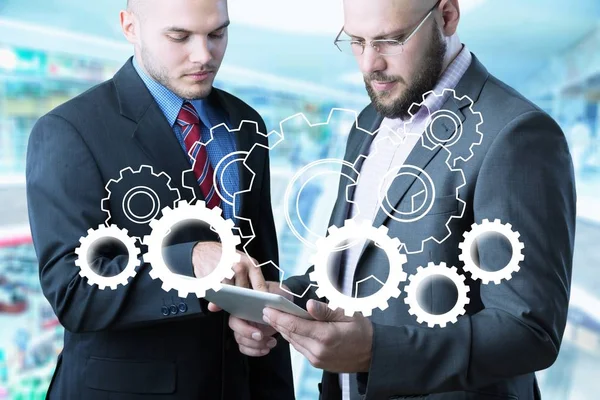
[
  {"x": 129, "y": 26},
  {"x": 448, "y": 16}
]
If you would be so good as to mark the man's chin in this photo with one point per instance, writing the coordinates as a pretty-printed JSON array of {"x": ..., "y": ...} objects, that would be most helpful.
[{"x": 196, "y": 92}]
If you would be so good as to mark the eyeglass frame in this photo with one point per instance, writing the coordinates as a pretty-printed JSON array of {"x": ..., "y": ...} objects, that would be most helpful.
[{"x": 373, "y": 43}]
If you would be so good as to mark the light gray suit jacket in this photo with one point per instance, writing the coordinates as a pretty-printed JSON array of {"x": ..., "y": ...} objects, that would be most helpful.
[{"x": 521, "y": 174}]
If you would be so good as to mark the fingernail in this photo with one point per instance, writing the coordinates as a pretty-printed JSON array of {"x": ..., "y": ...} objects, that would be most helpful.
[
  {"x": 272, "y": 343},
  {"x": 256, "y": 336},
  {"x": 266, "y": 319}
]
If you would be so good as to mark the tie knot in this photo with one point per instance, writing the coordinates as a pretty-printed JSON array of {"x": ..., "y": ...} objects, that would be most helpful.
[{"x": 187, "y": 115}]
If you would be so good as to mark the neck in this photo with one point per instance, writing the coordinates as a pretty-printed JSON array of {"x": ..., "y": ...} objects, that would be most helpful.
[{"x": 453, "y": 48}]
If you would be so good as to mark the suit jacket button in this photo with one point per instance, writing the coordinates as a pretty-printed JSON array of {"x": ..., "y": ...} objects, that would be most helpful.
[
  {"x": 173, "y": 309},
  {"x": 183, "y": 307},
  {"x": 165, "y": 310}
]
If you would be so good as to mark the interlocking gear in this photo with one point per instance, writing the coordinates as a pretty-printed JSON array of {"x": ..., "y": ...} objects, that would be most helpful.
[
  {"x": 145, "y": 182},
  {"x": 412, "y": 290},
  {"x": 329, "y": 244},
  {"x": 431, "y": 141},
  {"x": 162, "y": 227},
  {"x": 487, "y": 227},
  {"x": 412, "y": 244},
  {"x": 95, "y": 235}
]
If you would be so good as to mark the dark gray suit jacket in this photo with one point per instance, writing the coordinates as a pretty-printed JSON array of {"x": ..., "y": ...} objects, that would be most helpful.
[
  {"x": 521, "y": 174},
  {"x": 139, "y": 341}
]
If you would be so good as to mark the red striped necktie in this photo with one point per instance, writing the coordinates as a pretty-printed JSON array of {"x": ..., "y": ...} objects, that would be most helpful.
[{"x": 189, "y": 121}]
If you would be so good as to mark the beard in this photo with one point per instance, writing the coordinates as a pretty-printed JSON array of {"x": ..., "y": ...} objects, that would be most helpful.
[
  {"x": 427, "y": 75},
  {"x": 161, "y": 75}
]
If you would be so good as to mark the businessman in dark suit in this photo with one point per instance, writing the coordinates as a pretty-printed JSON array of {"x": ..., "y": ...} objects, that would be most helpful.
[
  {"x": 140, "y": 341},
  {"x": 520, "y": 173}
]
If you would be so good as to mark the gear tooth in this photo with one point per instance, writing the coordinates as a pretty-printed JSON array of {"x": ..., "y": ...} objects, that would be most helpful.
[
  {"x": 183, "y": 293},
  {"x": 396, "y": 293},
  {"x": 521, "y": 257},
  {"x": 508, "y": 225},
  {"x": 497, "y": 221},
  {"x": 127, "y": 171},
  {"x": 419, "y": 319},
  {"x": 237, "y": 240},
  {"x": 461, "y": 257},
  {"x": 383, "y": 305},
  {"x": 384, "y": 229},
  {"x": 350, "y": 313},
  {"x": 419, "y": 269},
  {"x": 313, "y": 276},
  {"x": 406, "y": 300},
  {"x": 320, "y": 293},
  {"x": 485, "y": 221},
  {"x": 230, "y": 274},
  {"x": 200, "y": 203},
  {"x": 229, "y": 223},
  {"x": 113, "y": 286},
  {"x": 166, "y": 287},
  {"x": 217, "y": 211},
  {"x": 454, "y": 269},
  {"x": 332, "y": 229},
  {"x": 153, "y": 274},
  {"x": 396, "y": 243},
  {"x": 350, "y": 223}
]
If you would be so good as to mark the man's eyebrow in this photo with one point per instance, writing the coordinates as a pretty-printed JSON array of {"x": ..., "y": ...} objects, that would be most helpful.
[
  {"x": 393, "y": 34},
  {"x": 175, "y": 29}
]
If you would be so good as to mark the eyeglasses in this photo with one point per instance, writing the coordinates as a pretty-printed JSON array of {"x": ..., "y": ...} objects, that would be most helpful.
[{"x": 385, "y": 47}]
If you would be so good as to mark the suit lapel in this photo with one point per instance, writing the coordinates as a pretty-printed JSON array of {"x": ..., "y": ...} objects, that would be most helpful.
[
  {"x": 420, "y": 157},
  {"x": 152, "y": 132}
]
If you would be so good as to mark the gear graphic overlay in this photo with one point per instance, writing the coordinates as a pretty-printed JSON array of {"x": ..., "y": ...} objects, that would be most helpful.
[
  {"x": 451, "y": 121},
  {"x": 352, "y": 230},
  {"x": 413, "y": 288},
  {"x": 162, "y": 227},
  {"x": 422, "y": 202},
  {"x": 141, "y": 183},
  {"x": 486, "y": 228},
  {"x": 94, "y": 238}
]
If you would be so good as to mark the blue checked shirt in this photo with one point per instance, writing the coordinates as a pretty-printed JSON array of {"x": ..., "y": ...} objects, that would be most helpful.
[{"x": 222, "y": 145}]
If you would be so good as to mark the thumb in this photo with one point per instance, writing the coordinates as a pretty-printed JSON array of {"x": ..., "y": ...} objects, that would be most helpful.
[{"x": 321, "y": 312}]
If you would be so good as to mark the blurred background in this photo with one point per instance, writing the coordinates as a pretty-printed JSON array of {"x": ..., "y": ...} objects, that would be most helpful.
[{"x": 281, "y": 60}]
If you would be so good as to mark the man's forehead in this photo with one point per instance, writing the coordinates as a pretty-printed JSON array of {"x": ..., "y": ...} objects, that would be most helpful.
[{"x": 381, "y": 18}]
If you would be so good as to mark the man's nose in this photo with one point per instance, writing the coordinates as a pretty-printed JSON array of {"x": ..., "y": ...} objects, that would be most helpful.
[
  {"x": 201, "y": 52},
  {"x": 371, "y": 61}
]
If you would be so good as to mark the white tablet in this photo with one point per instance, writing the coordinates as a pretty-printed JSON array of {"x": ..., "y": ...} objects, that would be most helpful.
[{"x": 248, "y": 304}]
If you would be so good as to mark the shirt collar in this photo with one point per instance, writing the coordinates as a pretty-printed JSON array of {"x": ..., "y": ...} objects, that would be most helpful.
[{"x": 168, "y": 102}]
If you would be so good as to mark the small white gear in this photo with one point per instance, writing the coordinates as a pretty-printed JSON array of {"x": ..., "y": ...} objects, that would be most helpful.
[
  {"x": 412, "y": 290},
  {"x": 104, "y": 232},
  {"x": 352, "y": 230},
  {"x": 429, "y": 139},
  {"x": 185, "y": 285},
  {"x": 130, "y": 179},
  {"x": 491, "y": 227}
]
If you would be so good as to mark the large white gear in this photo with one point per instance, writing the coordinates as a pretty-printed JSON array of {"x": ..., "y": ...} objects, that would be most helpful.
[
  {"x": 491, "y": 227},
  {"x": 93, "y": 236},
  {"x": 130, "y": 179},
  {"x": 412, "y": 290},
  {"x": 185, "y": 285},
  {"x": 429, "y": 139},
  {"x": 351, "y": 230}
]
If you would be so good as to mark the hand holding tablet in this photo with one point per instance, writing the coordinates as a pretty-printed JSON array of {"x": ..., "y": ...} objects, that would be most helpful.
[{"x": 248, "y": 304}]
